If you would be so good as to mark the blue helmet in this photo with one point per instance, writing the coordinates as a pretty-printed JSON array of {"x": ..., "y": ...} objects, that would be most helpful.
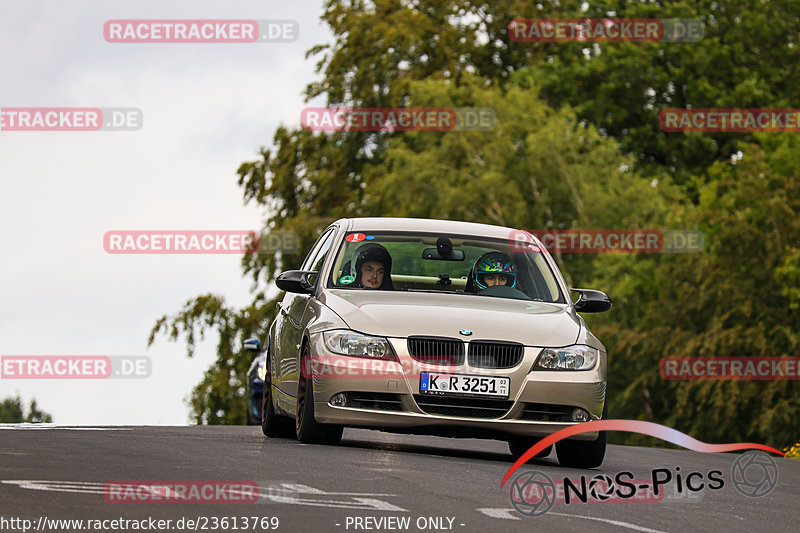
[{"x": 494, "y": 263}]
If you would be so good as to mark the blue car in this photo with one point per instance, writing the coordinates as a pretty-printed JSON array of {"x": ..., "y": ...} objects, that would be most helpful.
[{"x": 255, "y": 381}]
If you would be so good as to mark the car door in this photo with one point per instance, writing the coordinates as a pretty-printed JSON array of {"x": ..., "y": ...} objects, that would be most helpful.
[{"x": 290, "y": 326}]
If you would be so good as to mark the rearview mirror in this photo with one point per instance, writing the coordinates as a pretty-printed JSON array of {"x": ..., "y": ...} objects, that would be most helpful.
[
  {"x": 295, "y": 281},
  {"x": 433, "y": 253},
  {"x": 592, "y": 301}
]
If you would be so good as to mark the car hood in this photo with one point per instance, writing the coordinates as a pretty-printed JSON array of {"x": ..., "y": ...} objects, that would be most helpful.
[{"x": 401, "y": 314}]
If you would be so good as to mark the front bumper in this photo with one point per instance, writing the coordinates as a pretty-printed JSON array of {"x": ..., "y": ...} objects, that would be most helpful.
[{"x": 537, "y": 403}]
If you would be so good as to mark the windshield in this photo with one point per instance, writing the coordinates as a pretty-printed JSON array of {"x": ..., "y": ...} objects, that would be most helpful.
[{"x": 457, "y": 264}]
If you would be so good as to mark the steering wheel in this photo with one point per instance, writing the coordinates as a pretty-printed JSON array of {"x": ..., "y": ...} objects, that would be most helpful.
[{"x": 502, "y": 291}]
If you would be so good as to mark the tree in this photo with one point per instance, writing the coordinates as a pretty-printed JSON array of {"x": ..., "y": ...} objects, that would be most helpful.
[
  {"x": 11, "y": 412},
  {"x": 537, "y": 169},
  {"x": 577, "y": 145},
  {"x": 747, "y": 59},
  {"x": 730, "y": 300}
]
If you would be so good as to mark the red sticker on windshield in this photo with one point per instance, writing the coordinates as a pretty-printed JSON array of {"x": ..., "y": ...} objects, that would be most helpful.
[{"x": 355, "y": 237}]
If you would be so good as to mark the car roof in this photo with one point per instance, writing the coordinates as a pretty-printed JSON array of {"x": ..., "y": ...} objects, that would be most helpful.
[{"x": 425, "y": 224}]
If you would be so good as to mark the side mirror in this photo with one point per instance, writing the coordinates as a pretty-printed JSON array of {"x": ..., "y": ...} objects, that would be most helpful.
[
  {"x": 252, "y": 345},
  {"x": 592, "y": 301},
  {"x": 295, "y": 281}
]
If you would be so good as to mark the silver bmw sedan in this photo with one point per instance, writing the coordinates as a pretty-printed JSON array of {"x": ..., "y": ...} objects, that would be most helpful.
[{"x": 434, "y": 327}]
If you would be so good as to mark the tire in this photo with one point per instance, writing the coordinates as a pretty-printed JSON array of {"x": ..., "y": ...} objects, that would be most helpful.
[
  {"x": 583, "y": 454},
  {"x": 518, "y": 446},
  {"x": 272, "y": 424},
  {"x": 308, "y": 430}
]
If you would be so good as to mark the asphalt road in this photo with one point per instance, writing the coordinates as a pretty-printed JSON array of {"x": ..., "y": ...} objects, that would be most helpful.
[{"x": 372, "y": 482}]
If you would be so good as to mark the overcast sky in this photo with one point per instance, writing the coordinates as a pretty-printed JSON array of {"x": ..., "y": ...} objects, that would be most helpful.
[{"x": 207, "y": 108}]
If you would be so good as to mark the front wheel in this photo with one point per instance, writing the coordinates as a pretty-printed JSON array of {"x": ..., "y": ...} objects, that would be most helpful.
[
  {"x": 308, "y": 430},
  {"x": 583, "y": 454}
]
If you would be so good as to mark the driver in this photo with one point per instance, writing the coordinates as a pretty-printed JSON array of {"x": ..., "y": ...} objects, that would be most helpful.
[
  {"x": 374, "y": 268},
  {"x": 494, "y": 268}
]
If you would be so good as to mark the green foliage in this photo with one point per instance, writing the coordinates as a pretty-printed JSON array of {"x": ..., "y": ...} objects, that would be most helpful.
[
  {"x": 793, "y": 451},
  {"x": 220, "y": 398},
  {"x": 746, "y": 59},
  {"x": 730, "y": 300},
  {"x": 12, "y": 412},
  {"x": 577, "y": 145}
]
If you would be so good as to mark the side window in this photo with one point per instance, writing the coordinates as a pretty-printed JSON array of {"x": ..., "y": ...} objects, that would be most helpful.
[
  {"x": 321, "y": 254},
  {"x": 324, "y": 238}
]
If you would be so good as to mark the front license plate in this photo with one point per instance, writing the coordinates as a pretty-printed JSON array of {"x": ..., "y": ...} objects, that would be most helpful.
[{"x": 462, "y": 385}]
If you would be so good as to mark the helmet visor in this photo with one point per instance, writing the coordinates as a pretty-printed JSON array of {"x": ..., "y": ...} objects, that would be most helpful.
[{"x": 489, "y": 279}]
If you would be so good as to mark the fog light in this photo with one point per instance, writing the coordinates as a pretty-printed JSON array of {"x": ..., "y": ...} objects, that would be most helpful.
[
  {"x": 579, "y": 415},
  {"x": 340, "y": 400}
]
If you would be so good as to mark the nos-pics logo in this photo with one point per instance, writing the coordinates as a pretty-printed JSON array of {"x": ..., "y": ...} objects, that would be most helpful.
[{"x": 533, "y": 493}]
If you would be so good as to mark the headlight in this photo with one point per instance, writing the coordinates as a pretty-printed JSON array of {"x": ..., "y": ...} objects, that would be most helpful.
[
  {"x": 346, "y": 342},
  {"x": 577, "y": 357},
  {"x": 262, "y": 372}
]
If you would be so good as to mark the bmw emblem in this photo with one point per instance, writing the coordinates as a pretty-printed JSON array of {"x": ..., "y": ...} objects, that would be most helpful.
[{"x": 465, "y": 332}]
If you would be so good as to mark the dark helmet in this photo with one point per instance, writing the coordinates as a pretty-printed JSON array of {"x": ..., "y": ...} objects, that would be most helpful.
[
  {"x": 374, "y": 252},
  {"x": 494, "y": 263}
]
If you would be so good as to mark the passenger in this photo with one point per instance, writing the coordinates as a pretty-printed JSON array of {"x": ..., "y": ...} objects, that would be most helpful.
[
  {"x": 374, "y": 268},
  {"x": 494, "y": 268}
]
